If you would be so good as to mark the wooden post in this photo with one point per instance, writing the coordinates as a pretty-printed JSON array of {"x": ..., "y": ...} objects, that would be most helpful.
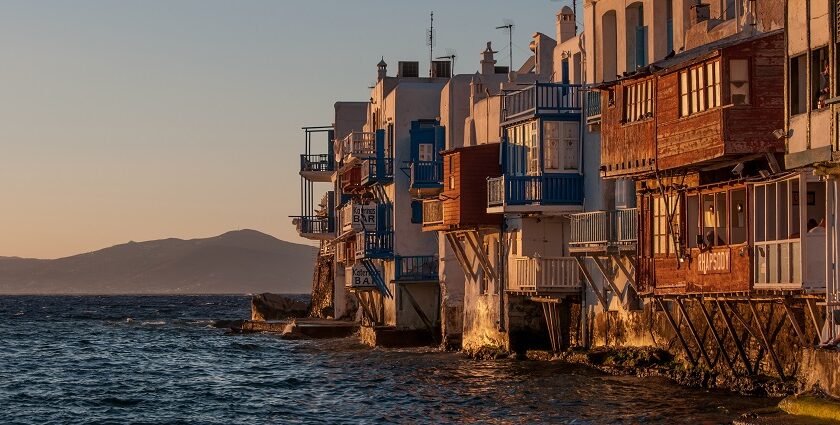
[
  {"x": 677, "y": 331},
  {"x": 794, "y": 323},
  {"x": 588, "y": 278},
  {"x": 721, "y": 348},
  {"x": 767, "y": 343},
  {"x": 694, "y": 333},
  {"x": 738, "y": 344}
]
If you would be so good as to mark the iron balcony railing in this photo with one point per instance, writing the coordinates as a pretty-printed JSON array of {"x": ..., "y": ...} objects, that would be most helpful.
[
  {"x": 548, "y": 189},
  {"x": 370, "y": 171},
  {"x": 597, "y": 228},
  {"x": 593, "y": 106},
  {"x": 314, "y": 225},
  {"x": 426, "y": 174},
  {"x": 360, "y": 144},
  {"x": 541, "y": 98},
  {"x": 543, "y": 274},
  {"x": 316, "y": 162},
  {"x": 432, "y": 212},
  {"x": 416, "y": 268},
  {"x": 374, "y": 245}
]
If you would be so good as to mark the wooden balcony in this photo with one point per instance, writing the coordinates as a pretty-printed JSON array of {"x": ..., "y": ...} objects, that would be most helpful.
[
  {"x": 432, "y": 214},
  {"x": 604, "y": 230},
  {"x": 373, "y": 173},
  {"x": 374, "y": 245},
  {"x": 357, "y": 145},
  {"x": 547, "y": 193},
  {"x": 540, "y": 99},
  {"x": 426, "y": 177},
  {"x": 350, "y": 179},
  {"x": 545, "y": 275},
  {"x": 419, "y": 268}
]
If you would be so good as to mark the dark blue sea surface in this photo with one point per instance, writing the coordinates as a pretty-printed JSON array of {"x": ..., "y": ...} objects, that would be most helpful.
[{"x": 157, "y": 360}]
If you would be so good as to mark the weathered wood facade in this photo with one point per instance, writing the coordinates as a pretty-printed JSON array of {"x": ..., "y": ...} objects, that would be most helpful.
[{"x": 464, "y": 197}]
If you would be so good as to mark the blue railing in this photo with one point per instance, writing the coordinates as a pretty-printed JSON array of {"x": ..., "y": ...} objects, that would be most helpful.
[
  {"x": 370, "y": 171},
  {"x": 315, "y": 224},
  {"x": 426, "y": 174},
  {"x": 316, "y": 162},
  {"x": 374, "y": 245},
  {"x": 593, "y": 105},
  {"x": 416, "y": 268},
  {"x": 541, "y": 98},
  {"x": 548, "y": 189}
]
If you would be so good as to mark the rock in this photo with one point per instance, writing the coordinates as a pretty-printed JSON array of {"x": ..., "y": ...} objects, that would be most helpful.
[
  {"x": 813, "y": 406},
  {"x": 228, "y": 324},
  {"x": 276, "y": 307}
]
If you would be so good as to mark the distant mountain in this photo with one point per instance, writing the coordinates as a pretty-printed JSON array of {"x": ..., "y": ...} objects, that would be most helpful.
[{"x": 238, "y": 262}]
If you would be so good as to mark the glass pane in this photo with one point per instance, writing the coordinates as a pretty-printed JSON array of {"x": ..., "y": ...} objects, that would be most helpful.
[
  {"x": 738, "y": 218},
  {"x": 692, "y": 220},
  {"x": 709, "y": 220},
  {"x": 759, "y": 214},
  {"x": 721, "y": 219}
]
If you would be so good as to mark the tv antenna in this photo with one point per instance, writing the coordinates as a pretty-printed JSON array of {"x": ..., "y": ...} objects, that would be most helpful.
[
  {"x": 450, "y": 55},
  {"x": 430, "y": 39},
  {"x": 508, "y": 25}
]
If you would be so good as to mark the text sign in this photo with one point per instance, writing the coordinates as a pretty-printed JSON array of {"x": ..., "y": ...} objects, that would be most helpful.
[
  {"x": 364, "y": 217},
  {"x": 361, "y": 278},
  {"x": 714, "y": 261}
]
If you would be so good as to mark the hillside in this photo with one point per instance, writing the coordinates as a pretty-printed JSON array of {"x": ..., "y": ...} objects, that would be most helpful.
[{"x": 238, "y": 262}]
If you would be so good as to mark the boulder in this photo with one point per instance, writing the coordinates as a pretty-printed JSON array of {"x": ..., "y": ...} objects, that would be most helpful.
[{"x": 276, "y": 307}]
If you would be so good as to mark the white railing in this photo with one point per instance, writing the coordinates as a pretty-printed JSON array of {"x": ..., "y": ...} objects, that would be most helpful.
[
  {"x": 549, "y": 274},
  {"x": 626, "y": 225},
  {"x": 344, "y": 216},
  {"x": 589, "y": 228},
  {"x": 780, "y": 265},
  {"x": 358, "y": 143}
]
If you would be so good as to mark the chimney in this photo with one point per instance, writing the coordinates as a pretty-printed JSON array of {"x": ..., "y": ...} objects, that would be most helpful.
[
  {"x": 543, "y": 48},
  {"x": 488, "y": 64},
  {"x": 700, "y": 12},
  {"x": 566, "y": 25},
  {"x": 381, "y": 69}
]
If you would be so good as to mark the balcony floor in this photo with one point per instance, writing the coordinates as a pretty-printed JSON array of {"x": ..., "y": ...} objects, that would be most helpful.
[
  {"x": 317, "y": 176},
  {"x": 318, "y": 236},
  {"x": 535, "y": 209}
]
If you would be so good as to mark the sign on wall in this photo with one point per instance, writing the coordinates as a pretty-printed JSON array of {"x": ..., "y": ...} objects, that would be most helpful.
[
  {"x": 364, "y": 217},
  {"x": 714, "y": 261},
  {"x": 361, "y": 278}
]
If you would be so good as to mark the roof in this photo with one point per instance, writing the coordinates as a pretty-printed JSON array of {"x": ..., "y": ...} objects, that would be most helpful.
[
  {"x": 492, "y": 145},
  {"x": 690, "y": 57}
]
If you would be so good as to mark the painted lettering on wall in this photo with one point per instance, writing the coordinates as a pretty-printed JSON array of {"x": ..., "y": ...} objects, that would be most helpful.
[
  {"x": 362, "y": 278},
  {"x": 714, "y": 261},
  {"x": 364, "y": 217}
]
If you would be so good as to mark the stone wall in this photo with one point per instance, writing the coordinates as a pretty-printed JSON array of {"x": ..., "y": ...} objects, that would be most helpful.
[{"x": 322, "y": 288}]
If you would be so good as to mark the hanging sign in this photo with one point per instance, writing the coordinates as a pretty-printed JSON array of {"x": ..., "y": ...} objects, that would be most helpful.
[
  {"x": 361, "y": 278},
  {"x": 364, "y": 217}
]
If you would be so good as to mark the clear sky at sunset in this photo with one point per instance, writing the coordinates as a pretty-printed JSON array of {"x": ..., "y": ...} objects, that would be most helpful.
[{"x": 138, "y": 120}]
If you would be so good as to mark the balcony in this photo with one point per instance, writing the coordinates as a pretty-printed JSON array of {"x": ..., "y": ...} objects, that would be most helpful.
[
  {"x": 314, "y": 227},
  {"x": 549, "y": 192},
  {"x": 432, "y": 213},
  {"x": 374, "y": 245},
  {"x": 779, "y": 264},
  {"x": 423, "y": 268},
  {"x": 426, "y": 176},
  {"x": 540, "y": 99},
  {"x": 544, "y": 275},
  {"x": 357, "y": 145},
  {"x": 593, "y": 107},
  {"x": 350, "y": 179},
  {"x": 373, "y": 174},
  {"x": 317, "y": 167},
  {"x": 602, "y": 230}
]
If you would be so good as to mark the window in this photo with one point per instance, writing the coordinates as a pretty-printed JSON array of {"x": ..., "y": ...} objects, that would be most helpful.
[
  {"x": 451, "y": 166},
  {"x": 663, "y": 242},
  {"x": 738, "y": 218},
  {"x": 426, "y": 152},
  {"x": 739, "y": 82},
  {"x": 700, "y": 88},
  {"x": 560, "y": 143},
  {"x": 714, "y": 219},
  {"x": 571, "y": 141},
  {"x": 692, "y": 210},
  {"x": 638, "y": 101},
  {"x": 798, "y": 85},
  {"x": 551, "y": 142},
  {"x": 533, "y": 147},
  {"x": 820, "y": 79}
]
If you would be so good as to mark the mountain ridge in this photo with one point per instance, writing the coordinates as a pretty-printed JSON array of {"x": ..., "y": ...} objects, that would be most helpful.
[{"x": 239, "y": 261}]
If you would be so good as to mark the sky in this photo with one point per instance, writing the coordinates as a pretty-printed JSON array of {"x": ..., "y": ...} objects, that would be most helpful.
[{"x": 141, "y": 120}]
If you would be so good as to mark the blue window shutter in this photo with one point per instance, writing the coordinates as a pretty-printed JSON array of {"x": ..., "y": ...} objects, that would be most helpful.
[{"x": 417, "y": 212}]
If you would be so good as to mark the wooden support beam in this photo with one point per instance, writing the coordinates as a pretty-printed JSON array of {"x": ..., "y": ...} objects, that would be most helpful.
[
  {"x": 588, "y": 278},
  {"x": 631, "y": 278},
  {"x": 608, "y": 277},
  {"x": 768, "y": 346},
  {"x": 429, "y": 325},
  {"x": 461, "y": 256},
  {"x": 738, "y": 343},
  {"x": 794, "y": 323},
  {"x": 717, "y": 338},
  {"x": 694, "y": 333},
  {"x": 481, "y": 255},
  {"x": 676, "y": 329},
  {"x": 816, "y": 317}
]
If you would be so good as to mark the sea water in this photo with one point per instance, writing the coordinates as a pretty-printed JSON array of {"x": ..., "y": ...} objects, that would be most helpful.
[{"x": 158, "y": 360}]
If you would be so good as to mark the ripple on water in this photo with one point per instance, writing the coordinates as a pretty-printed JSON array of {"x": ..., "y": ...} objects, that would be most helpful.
[{"x": 154, "y": 360}]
